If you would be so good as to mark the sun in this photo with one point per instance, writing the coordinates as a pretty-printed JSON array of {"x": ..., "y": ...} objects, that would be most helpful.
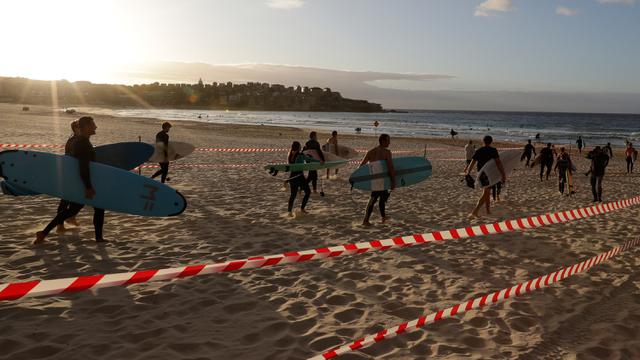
[{"x": 68, "y": 39}]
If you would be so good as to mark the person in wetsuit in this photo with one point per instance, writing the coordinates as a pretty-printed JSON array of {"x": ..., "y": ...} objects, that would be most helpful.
[
  {"x": 333, "y": 148},
  {"x": 599, "y": 161},
  {"x": 296, "y": 178},
  {"x": 378, "y": 153},
  {"x": 628, "y": 156},
  {"x": 64, "y": 204},
  {"x": 608, "y": 150},
  {"x": 82, "y": 149},
  {"x": 313, "y": 144},
  {"x": 563, "y": 164},
  {"x": 482, "y": 156},
  {"x": 163, "y": 137},
  {"x": 546, "y": 160},
  {"x": 528, "y": 150},
  {"x": 581, "y": 144}
]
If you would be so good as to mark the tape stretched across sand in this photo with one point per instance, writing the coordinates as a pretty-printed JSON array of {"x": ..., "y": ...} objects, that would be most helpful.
[
  {"x": 489, "y": 299},
  {"x": 12, "y": 291},
  {"x": 33, "y": 146}
]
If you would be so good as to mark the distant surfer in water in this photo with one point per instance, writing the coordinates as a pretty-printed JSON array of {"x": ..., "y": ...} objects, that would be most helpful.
[
  {"x": 313, "y": 144},
  {"x": 527, "y": 152},
  {"x": 296, "y": 178},
  {"x": 482, "y": 156},
  {"x": 64, "y": 204},
  {"x": 546, "y": 160},
  {"x": 563, "y": 164},
  {"x": 453, "y": 134},
  {"x": 163, "y": 137},
  {"x": 82, "y": 149},
  {"x": 629, "y": 153},
  {"x": 378, "y": 153},
  {"x": 333, "y": 148}
]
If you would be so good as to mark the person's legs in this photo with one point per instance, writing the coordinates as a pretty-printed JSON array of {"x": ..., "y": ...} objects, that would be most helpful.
[
  {"x": 484, "y": 199},
  {"x": 313, "y": 179},
  {"x": 599, "y": 185},
  {"x": 629, "y": 164},
  {"x": 594, "y": 180},
  {"x": 561, "y": 181},
  {"x": 164, "y": 167},
  {"x": 98, "y": 223},
  {"x": 528, "y": 159},
  {"x": 72, "y": 210},
  {"x": 549, "y": 165},
  {"x": 541, "y": 170},
  {"x": 372, "y": 201},
  {"x": 294, "y": 185},
  {"x": 382, "y": 204},
  {"x": 62, "y": 206},
  {"x": 307, "y": 193}
]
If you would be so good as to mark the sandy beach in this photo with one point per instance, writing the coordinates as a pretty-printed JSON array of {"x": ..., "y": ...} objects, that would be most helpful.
[{"x": 297, "y": 311}]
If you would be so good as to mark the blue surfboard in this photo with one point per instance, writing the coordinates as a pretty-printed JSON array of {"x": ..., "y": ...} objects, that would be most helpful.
[
  {"x": 375, "y": 177},
  {"x": 124, "y": 155},
  {"x": 116, "y": 189}
]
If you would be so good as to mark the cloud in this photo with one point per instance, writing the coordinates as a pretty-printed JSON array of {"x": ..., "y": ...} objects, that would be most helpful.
[
  {"x": 565, "y": 11},
  {"x": 624, "y": 2},
  {"x": 489, "y": 6},
  {"x": 285, "y": 4}
]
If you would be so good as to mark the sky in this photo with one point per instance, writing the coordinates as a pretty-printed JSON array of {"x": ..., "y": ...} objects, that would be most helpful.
[{"x": 460, "y": 54}]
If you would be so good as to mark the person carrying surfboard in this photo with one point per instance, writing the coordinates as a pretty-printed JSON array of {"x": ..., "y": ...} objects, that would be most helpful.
[
  {"x": 163, "y": 137},
  {"x": 379, "y": 153},
  {"x": 333, "y": 148},
  {"x": 313, "y": 144},
  {"x": 482, "y": 156},
  {"x": 296, "y": 178},
  {"x": 82, "y": 149},
  {"x": 564, "y": 169},
  {"x": 64, "y": 204},
  {"x": 546, "y": 160}
]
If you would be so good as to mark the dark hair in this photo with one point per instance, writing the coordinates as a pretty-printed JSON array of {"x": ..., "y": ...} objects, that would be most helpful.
[
  {"x": 166, "y": 125},
  {"x": 487, "y": 139},
  {"x": 295, "y": 148},
  {"x": 312, "y": 134},
  {"x": 84, "y": 121},
  {"x": 334, "y": 133},
  {"x": 548, "y": 144},
  {"x": 383, "y": 137},
  {"x": 74, "y": 125}
]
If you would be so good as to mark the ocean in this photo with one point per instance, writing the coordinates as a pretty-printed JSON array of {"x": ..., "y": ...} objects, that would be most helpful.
[{"x": 557, "y": 128}]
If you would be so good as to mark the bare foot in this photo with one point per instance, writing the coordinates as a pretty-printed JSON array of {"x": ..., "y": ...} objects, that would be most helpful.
[
  {"x": 366, "y": 223},
  {"x": 472, "y": 216},
  {"x": 383, "y": 220},
  {"x": 72, "y": 221},
  {"x": 290, "y": 214},
  {"x": 303, "y": 211},
  {"x": 60, "y": 228},
  {"x": 39, "y": 238}
]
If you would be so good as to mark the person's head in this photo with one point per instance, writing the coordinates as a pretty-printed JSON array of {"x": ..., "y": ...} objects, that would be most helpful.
[
  {"x": 470, "y": 142},
  {"x": 384, "y": 140},
  {"x": 597, "y": 149},
  {"x": 487, "y": 140},
  {"x": 313, "y": 135},
  {"x": 549, "y": 145},
  {"x": 629, "y": 145},
  {"x": 74, "y": 127},
  {"x": 166, "y": 126},
  {"x": 562, "y": 149},
  {"x": 529, "y": 141},
  {"x": 295, "y": 147},
  {"x": 608, "y": 144},
  {"x": 579, "y": 137},
  {"x": 334, "y": 133},
  {"x": 86, "y": 126}
]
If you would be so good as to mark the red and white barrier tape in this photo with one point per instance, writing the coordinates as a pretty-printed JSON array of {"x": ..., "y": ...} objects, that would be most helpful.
[
  {"x": 242, "y": 150},
  {"x": 199, "y": 166},
  {"x": 493, "y": 298},
  {"x": 12, "y": 291},
  {"x": 35, "y": 146}
]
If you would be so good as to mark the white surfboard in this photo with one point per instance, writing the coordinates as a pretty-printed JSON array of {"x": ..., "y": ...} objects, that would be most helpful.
[
  {"x": 344, "y": 152},
  {"x": 327, "y": 155},
  {"x": 489, "y": 175},
  {"x": 177, "y": 150}
]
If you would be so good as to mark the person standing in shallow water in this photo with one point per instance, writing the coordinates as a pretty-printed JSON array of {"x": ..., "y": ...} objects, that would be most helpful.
[
  {"x": 163, "y": 137},
  {"x": 380, "y": 153},
  {"x": 482, "y": 156}
]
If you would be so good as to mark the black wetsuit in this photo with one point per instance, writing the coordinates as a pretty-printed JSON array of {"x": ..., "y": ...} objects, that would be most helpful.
[
  {"x": 296, "y": 182},
  {"x": 482, "y": 156},
  {"x": 82, "y": 150},
  {"x": 162, "y": 137},
  {"x": 312, "y": 177},
  {"x": 546, "y": 160},
  {"x": 581, "y": 144},
  {"x": 64, "y": 204},
  {"x": 562, "y": 163},
  {"x": 528, "y": 151},
  {"x": 599, "y": 162}
]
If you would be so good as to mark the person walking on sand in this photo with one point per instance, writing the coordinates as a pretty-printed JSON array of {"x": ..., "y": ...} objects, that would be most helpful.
[
  {"x": 83, "y": 150},
  {"x": 546, "y": 160},
  {"x": 296, "y": 179},
  {"x": 163, "y": 137},
  {"x": 581, "y": 144},
  {"x": 629, "y": 154},
  {"x": 563, "y": 164},
  {"x": 482, "y": 156},
  {"x": 313, "y": 144},
  {"x": 64, "y": 204},
  {"x": 608, "y": 150},
  {"x": 528, "y": 150},
  {"x": 333, "y": 148},
  {"x": 599, "y": 161},
  {"x": 469, "y": 150},
  {"x": 379, "y": 153},
  {"x": 453, "y": 134}
]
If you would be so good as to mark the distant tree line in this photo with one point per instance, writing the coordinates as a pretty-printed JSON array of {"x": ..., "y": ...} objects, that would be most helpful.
[{"x": 249, "y": 96}]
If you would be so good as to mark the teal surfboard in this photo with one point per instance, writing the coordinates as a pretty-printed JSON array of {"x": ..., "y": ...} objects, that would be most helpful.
[
  {"x": 124, "y": 155},
  {"x": 315, "y": 165},
  {"x": 374, "y": 176},
  {"x": 116, "y": 189}
]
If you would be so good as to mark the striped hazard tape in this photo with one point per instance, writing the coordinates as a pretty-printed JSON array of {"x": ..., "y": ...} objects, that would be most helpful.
[
  {"x": 12, "y": 291},
  {"x": 488, "y": 299}
]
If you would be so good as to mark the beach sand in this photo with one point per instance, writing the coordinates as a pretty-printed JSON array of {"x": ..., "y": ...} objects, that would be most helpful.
[{"x": 297, "y": 311}]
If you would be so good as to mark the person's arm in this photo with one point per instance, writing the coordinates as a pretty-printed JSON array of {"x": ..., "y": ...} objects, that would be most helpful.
[
  {"x": 501, "y": 169},
  {"x": 468, "y": 168},
  {"x": 83, "y": 154},
  {"x": 392, "y": 171},
  {"x": 365, "y": 160}
]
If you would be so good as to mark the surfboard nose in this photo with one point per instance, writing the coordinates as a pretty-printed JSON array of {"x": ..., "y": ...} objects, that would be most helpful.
[{"x": 184, "y": 207}]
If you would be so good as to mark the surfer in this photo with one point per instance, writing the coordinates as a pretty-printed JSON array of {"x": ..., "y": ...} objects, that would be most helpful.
[
  {"x": 64, "y": 204},
  {"x": 599, "y": 161},
  {"x": 546, "y": 160},
  {"x": 453, "y": 134},
  {"x": 163, "y": 137},
  {"x": 379, "y": 153},
  {"x": 563, "y": 164},
  {"x": 296, "y": 178},
  {"x": 469, "y": 150},
  {"x": 581, "y": 144},
  {"x": 628, "y": 155},
  {"x": 528, "y": 150},
  {"x": 482, "y": 156},
  {"x": 333, "y": 147},
  {"x": 608, "y": 150},
  {"x": 313, "y": 144},
  {"x": 81, "y": 149}
]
